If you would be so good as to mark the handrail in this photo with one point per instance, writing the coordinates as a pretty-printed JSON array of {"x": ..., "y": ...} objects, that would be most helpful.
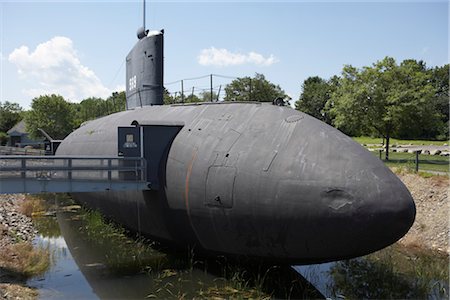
[
  {"x": 6, "y": 150},
  {"x": 73, "y": 167}
]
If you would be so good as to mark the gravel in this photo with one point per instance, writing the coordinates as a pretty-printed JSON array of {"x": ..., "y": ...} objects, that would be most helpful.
[
  {"x": 14, "y": 226},
  {"x": 431, "y": 227}
]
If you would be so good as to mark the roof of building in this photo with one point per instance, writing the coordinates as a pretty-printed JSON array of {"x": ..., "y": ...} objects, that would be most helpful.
[{"x": 18, "y": 129}]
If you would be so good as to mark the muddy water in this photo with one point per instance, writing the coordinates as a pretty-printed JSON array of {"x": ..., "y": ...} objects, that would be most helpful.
[{"x": 92, "y": 260}]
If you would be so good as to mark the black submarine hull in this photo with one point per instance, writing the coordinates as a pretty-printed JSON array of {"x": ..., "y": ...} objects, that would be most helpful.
[{"x": 257, "y": 180}]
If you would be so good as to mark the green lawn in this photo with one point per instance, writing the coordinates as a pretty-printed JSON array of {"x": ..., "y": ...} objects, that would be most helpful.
[
  {"x": 368, "y": 140},
  {"x": 426, "y": 162}
]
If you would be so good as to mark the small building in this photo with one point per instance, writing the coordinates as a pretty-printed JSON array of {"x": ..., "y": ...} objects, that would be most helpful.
[{"x": 18, "y": 137}]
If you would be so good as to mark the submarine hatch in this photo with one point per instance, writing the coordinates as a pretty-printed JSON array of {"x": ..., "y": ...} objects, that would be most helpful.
[{"x": 150, "y": 141}]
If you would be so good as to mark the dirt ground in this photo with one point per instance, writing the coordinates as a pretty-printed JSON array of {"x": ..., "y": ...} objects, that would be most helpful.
[{"x": 431, "y": 227}]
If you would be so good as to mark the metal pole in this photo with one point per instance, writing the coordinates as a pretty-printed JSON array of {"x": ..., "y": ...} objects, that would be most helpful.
[
  {"x": 144, "y": 16},
  {"x": 250, "y": 93},
  {"x": 24, "y": 167},
  {"x": 182, "y": 92},
  {"x": 417, "y": 161},
  {"x": 69, "y": 167},
  {"x": 211, "y": 83},
  {"x": 109, "y": 170},
  {"x": 218, "y": 94}
]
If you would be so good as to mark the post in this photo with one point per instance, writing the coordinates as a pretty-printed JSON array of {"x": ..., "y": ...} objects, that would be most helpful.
[
  {"x": 218, "y": 94},
  {"x": 211, "y": 86},
  {"x": 387, "y": 147},
  {"x": 417, "y": 161},
  {"x": 182, "y": 92},
  {"x": 24, "y": 167},
  {"x": 109, "y": 169},
  {"x": 250, "y": 92},
  {"x": 69, "y": 167},
  {"x": 380, "y": 153}
]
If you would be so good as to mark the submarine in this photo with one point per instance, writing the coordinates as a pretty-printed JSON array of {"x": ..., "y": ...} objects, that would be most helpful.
[{"x": 246, "y": 179}]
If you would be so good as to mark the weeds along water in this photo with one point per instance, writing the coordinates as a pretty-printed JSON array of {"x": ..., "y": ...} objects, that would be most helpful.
[{"x": 95, "y": 258}]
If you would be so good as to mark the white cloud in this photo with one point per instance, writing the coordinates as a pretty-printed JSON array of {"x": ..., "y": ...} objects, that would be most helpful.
[
  {"x": 223, "y": 58},
  {"x": 54, "y": 67}
]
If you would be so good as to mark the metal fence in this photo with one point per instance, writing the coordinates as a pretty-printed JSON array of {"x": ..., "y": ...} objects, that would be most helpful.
[
  {"x": 4, "y": 150},
  {"x": 417, "y": 161}
]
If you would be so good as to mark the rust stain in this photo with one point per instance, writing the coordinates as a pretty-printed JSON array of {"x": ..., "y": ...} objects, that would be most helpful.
[{"x": 186, "y": 185}]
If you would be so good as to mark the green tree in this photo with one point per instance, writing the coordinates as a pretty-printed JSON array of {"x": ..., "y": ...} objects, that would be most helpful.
[
  {"x": 117, "y": 101},
  {"x": 10, "y": 115},
  {"x": 167, "y": 97},
  {"x": 315, "y": 97},
  {"x": 192, "y": 98},
  {"x": 90, "y": 109},
  {"x": 440, "y": 80},
  {"x": 386, "y": 98},
  {"x": 257, "y": 89},
  {"x": 3, "y": 138},
  {"x": 51, "y": 113},
  {"x": 206, "y": 96},
  {"x": 93, "y": 108}
]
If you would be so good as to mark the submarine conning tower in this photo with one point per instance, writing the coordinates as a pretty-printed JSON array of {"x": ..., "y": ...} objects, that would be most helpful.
[{"x": 145, "y": 70}]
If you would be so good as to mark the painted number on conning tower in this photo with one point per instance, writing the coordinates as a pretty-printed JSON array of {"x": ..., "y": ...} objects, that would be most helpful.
[{"x": 132, "y": 83}]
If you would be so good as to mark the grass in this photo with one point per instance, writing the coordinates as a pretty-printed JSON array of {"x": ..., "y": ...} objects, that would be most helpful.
[
  {"x": 396, "y": 272},
  {"x": 32, "y": 206},
  {"x": 426, "y": 162},
  {"x": 122, "y": 254},
  {"x": 433, "y": 163},
  {"x": 369, "y": 140},
  {"x": 21, "y": 261}
]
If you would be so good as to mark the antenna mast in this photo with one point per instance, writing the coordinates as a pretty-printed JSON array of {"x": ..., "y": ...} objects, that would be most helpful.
[{"x": 143, "y": 25}]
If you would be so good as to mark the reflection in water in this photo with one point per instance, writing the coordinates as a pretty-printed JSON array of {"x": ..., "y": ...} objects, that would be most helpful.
[
  {"x": 392, "y": 273},
  {"x": 92, "y": 259}
]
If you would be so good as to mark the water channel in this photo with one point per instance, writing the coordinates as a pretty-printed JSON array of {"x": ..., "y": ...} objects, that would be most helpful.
[{"x": 94, "y": 259}]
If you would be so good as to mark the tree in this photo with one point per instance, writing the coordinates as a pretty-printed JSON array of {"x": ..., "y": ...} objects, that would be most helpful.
[
  {"x": 117, "y": 101},
  {"x": 10, "y": 115},
  {"x": 387, "y": 98},
  {"x": 90, "y": 109},
  {"x": 93, "y": 108},
  {"x": 440, "y": 80},
  {"x": 192, "y": 98},
  {"x": 167, "y": 97},
  {"x": 206, "y": 96},
  {"x": 257, "y": 89},
  {"x": 315, "y": 97},
  {"x": 52, "y": 114}
]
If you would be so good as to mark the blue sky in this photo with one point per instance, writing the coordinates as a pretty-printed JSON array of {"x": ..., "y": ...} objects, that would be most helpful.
[{"x": 77, "y": 49}]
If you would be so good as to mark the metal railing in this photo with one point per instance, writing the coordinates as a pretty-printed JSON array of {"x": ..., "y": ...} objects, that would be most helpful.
[
  {"x": 5, "y": 150},
  {"x": 71, "y": 174},
  {"x": 417, "y": 161}
]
